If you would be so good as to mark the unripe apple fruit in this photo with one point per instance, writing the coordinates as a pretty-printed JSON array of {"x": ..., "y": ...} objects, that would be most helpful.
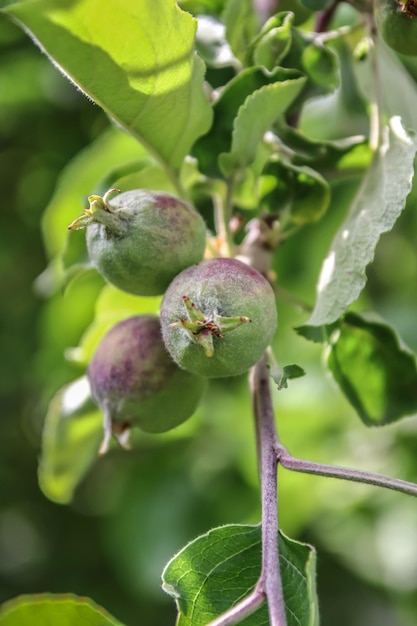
[
  {"x": 136, "y": 383},
  {"x": 140, "y": 240},
  {"x": 397, "y": 22},
  {"x": 218, "y": 317}
]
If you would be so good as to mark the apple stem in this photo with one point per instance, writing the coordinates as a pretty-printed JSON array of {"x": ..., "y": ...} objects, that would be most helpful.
[
  {"x": 267, "y": 443},
  {"x": 376, "y": 126},
  {"x": 271, "y": 453},
  {"x": 107, "y": 427},
  {"x": 269, "y": 585},
  {"x": 222, "y": 216},
  {"x": 333, "y": 471}
]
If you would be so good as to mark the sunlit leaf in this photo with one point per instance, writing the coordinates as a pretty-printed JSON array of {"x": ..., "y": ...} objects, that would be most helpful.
[
  {"x": 378, "y": 204},
  {"x": 218, "y": 569},
  {"x": 153, "y": 87},
  {"x": 71, "y": 438},
  {"x": 377, "y": 374},
  {"x": 50, "y": 610}
]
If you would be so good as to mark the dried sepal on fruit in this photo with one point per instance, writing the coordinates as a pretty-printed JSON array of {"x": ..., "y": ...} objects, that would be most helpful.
[{"x": 409, "y": 7}]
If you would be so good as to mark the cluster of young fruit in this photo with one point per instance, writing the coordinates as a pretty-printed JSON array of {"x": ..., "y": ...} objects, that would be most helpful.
[{"x": 217, "y": 316}]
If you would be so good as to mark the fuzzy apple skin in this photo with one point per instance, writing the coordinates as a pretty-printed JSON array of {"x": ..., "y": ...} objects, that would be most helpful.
[
  {"x": 136, "y": 383},
  {"x": 155, "y": 236},
  {"x": 223, "y": 287},
  {"x": 398, "y": 25}
]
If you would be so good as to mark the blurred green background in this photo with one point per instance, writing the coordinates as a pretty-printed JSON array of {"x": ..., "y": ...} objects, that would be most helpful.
[{"x": 135, "y": 510}]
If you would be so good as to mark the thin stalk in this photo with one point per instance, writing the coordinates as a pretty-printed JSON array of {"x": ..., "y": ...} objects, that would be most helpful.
[
  {"x": 324, "y": 18},
  {"x": 267, "y": 441},
  {"x": 242, "y": 609},
  {"x": 375, "y": 128},
  {"x": 222, "y": 216},
  {"x": 333, "y": 471}
]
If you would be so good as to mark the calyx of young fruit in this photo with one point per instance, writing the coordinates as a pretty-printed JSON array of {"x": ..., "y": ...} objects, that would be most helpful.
[
  {"x": 140, "y": 239},
  {"x": 136, "y": 383},
  {"x": 202, "y": 329},
  {"x": 218, "y": 317}
]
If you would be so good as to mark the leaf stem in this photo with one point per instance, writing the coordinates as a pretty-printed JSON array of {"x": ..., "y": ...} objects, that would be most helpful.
[
  {"x": 375, "y": 128},
  {"x": 324, "y": 18},
  {"x": 222, "y": 216},
  {"x": 333, "y": 471},
  {"x": 267, "y": 441},
  {"x": 242, "y": 609}
]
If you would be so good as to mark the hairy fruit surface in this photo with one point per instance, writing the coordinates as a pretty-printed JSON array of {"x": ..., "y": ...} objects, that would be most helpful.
[
  {"x": 136, "y": 383},
  {"x": 140, "y": 240},
  {"x": 218, "y": 317},
  {"x": 397, "y": 22}
]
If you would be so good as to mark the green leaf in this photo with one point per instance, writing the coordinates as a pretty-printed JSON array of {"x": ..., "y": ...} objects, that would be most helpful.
[
  {"x": 152, "y": 87},
  {"x": 199, "y": 7},
  {"x": 233, "y": 96},
  {"x": 316, "y": 334},
  {"x": 298, "y": 193},
  {"x": 52, "y": 609},
  {"x": 71, "y": 438},
  {"x": 321, "y": 65},
  {"x": 282, "y": 376},
  {"x": 218, "y": 569},
  {"x": 148, "y": 176},
  {"x": 242, "y": 26},
  {"x": 378, "y": 204},
  {"x": 377, "y": 374},
  {"x": 274, "y": 42},
  {"x": 254, "y": 118},
  {"x": 331, "y": 156},
  {"x": 316, "y": 61}
]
